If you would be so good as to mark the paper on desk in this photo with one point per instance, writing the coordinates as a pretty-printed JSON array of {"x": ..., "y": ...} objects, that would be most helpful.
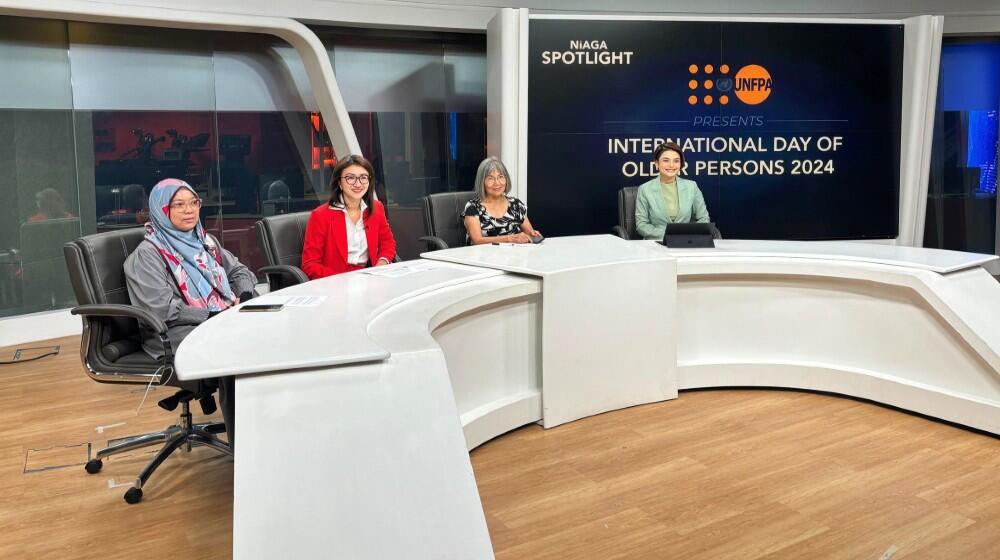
[
  {"x": 289, "y": 301},
  {"x": 399, "y": 269}
]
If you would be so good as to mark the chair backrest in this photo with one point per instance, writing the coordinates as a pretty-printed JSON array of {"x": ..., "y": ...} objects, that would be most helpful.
[
  {"x": 96, "y": 270},
  {"x": 626, "y": 210},
  {"x": 443, "y": 216},
  {"x": 281, "y": 238},
  {"x": 45, "y": 285}
]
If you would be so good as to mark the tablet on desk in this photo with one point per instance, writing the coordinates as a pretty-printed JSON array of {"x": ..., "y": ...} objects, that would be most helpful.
[
  {"x": 693, "y": 235},
  {"x": 261, "y": 307}
]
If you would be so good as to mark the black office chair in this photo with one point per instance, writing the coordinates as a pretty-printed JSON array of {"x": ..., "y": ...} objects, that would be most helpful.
[
  {"x": 111, "y": 349},
  {"x": 626, "y": 215},
  {"x": 281, "y": 238},
  {"x": 443, "y": 219}
]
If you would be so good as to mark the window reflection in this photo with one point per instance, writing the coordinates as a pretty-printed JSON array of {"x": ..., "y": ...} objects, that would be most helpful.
[
  {"x": 419, "y": 153},
  {"x": 134, "y": 150},
  {"x": 962, "y": 187},
  {"x": 244, "y": 165},
  {"x": 417, "y": 101},
  {"x": 230, "y": 113},
  {"x": 269, "y": 163},
  {"x": 40, "y": 210}
]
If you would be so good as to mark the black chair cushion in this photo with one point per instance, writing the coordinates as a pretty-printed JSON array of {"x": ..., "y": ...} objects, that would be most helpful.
[
  {"x": 137, "y": 359},
  {"x": 117, "y": 349}
]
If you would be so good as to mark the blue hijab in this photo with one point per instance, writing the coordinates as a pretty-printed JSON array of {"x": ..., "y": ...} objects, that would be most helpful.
[{"x": 193, "y": 258}]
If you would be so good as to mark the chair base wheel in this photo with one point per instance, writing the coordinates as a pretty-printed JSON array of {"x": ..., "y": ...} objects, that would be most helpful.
[
  {"x": 93, "y": 466},
  {"x": 133, "y": 495}
]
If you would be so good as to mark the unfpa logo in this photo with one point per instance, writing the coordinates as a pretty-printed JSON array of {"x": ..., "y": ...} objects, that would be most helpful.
[{"x": 752, "y": 84}]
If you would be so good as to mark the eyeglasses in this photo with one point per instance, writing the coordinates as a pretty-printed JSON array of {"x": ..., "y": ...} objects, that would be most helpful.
[
  {"x": 193, "y": 204},
  {"x": 356, "y": 179},
  {"x": 495, "y": 179}
]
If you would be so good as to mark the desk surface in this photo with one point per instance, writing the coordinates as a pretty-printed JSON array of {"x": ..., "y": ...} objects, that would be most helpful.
[
  {"x": 564, "y": 253},
  {"x": 338, "y": 324},
  {"x": 557, "y": 254},
  {"x": 935, "y": 260},
  {"x": 331, "y": 333}
]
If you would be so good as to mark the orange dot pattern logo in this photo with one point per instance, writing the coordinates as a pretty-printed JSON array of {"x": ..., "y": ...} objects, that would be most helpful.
[{"x": 752, "y": 84}]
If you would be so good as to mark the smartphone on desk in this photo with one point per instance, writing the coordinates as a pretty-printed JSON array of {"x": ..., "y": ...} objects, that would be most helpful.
[{"x": 260, "y": 307}]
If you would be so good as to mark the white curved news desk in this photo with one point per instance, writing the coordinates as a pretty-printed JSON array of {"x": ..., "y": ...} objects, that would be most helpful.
[{"x": 355, "y": 416}]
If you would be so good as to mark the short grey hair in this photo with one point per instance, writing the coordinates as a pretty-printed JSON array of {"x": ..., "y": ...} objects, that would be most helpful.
[{"x": 489, "y": 165}]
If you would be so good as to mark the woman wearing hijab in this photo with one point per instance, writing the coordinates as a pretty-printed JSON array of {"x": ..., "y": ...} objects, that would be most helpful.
[{"x": 182, "y": 275}]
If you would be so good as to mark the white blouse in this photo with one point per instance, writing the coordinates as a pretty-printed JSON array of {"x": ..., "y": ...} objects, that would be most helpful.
[{"x": 357, "y": 242}]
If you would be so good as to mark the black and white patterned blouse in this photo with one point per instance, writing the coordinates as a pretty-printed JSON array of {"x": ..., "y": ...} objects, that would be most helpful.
[{"x": 493, "y": 227}]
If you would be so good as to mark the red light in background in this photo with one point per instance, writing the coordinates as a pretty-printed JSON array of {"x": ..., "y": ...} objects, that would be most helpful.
[{"x": 321, "y": 155}]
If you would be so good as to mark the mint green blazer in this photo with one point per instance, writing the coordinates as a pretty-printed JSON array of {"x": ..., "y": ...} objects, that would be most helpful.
[{"x": 651, "y": 217}]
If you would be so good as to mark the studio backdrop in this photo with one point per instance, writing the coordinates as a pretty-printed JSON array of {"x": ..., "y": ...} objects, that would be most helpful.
[{"x": 791, "y": 130}]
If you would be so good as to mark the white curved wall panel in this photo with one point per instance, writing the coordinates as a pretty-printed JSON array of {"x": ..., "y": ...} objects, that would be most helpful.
[
  {"x": 485, "y": 375},
  {"x": 883, "y": 335}
]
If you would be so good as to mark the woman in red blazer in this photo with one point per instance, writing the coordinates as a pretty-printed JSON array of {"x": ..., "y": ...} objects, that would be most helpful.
[{"x": 350, "y": 232}]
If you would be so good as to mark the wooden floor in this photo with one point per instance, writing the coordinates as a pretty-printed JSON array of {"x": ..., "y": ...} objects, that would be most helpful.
[{"x": 714, "y": 474}]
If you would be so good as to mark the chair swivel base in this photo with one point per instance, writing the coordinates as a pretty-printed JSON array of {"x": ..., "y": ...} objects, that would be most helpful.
[{"x": 185, "y": 434}]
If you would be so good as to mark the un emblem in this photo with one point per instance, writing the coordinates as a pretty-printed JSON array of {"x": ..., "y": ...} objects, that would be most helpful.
[{"x": 724, "y": 84}]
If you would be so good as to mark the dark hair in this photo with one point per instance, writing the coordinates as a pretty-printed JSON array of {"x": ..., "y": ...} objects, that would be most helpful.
[
  {"x": 50, "y": 203},
  {"x": 337, "y": 195},
  {"x": 672, "y": 146}
]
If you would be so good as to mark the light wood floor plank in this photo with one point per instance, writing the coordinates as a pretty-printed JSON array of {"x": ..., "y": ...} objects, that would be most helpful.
[{"x": 714, "y": 474}]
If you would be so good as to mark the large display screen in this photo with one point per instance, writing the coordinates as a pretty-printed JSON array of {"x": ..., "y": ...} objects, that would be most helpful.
[{"x": 791, "y": 130}]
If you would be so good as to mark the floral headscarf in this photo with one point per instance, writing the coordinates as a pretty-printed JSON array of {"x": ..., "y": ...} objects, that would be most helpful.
[{"x": 193, "y": 257}]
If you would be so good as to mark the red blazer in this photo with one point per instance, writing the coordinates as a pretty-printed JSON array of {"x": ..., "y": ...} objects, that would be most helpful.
[{"x": 324, "y": 251}]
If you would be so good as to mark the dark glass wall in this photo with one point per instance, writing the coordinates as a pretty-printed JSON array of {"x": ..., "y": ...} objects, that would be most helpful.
[
  {"x": 962, "y": 191},
  {"x": 418, "y": 105},
  {"x": 92, "y": 116}
]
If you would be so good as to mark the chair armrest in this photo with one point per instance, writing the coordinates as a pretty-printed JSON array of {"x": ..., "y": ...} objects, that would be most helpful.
[
  {"x": 144, "y": 317},
  {"x": 433, "y": 242},
  {"x": 293, "y": 273},
  {"x": 620, "y": 232}
]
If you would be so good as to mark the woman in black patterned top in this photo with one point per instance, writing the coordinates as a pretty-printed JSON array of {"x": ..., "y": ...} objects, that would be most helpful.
[{"x": 494, "y": 217}]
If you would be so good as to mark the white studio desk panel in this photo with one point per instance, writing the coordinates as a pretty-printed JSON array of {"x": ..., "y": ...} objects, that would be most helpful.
[
  {"x": 363, "y": 455},
  {"x": 333, "y": 440},
  {"x": 332, "y": 333}
]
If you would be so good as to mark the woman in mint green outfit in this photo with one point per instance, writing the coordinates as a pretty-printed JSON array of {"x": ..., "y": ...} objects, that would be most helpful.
[{"x": 668, "y": 198}]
